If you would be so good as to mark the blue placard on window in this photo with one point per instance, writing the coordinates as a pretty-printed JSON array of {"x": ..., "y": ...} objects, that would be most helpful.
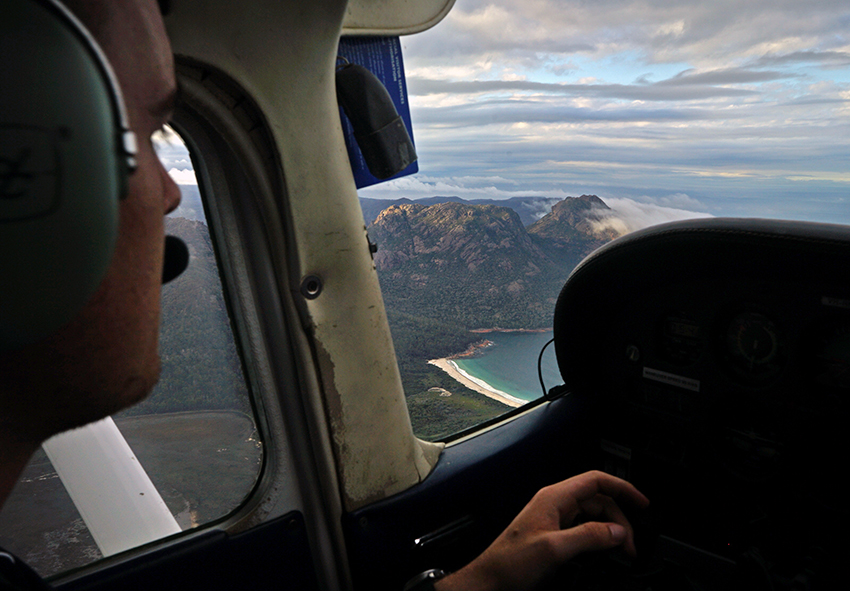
[{"x": 382, "y": 57}]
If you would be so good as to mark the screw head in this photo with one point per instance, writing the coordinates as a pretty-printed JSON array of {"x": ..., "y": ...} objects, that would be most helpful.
[{"x": 311, "y": 287}]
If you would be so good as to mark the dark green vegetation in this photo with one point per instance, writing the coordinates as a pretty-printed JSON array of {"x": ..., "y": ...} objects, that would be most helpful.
[
  {"x": 433, "y": 413},
  {"x": 201, "y": 369},
  {"x": 447, "y": 266}
]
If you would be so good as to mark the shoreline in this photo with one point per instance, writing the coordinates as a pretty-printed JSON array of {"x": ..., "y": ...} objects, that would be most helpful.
[
  {"x": 474, "y": 350},
  {"x": 480, "y": 386}
]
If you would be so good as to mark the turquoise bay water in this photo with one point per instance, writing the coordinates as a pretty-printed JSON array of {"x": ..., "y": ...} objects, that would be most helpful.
[{"x": 510, "y": 365}]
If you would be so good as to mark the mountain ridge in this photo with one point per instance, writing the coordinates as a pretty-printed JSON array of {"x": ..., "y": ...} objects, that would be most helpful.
[
  {"x": 530, "y": 209},
  {"x": 478, "y": 263}
]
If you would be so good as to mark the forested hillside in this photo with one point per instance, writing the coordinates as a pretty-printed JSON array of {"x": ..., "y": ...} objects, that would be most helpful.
[{"x": 201, "y": 369}]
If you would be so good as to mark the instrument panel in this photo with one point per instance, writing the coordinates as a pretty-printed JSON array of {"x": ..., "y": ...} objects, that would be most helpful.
[{"x": 718, "y": 356}]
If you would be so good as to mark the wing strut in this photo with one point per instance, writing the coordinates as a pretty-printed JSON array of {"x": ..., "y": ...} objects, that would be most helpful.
[{"x": 110, "y": 488}]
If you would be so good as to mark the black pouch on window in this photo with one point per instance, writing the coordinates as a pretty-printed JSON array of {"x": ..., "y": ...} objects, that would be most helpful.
[{"x": 378, "y": 128}]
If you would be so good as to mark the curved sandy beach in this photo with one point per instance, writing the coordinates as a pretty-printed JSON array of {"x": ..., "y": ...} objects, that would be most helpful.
[{"x": 480, "y": 386}]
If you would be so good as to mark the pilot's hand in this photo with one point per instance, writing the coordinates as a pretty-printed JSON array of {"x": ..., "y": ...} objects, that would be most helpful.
[{"x": 543, "y": 536}]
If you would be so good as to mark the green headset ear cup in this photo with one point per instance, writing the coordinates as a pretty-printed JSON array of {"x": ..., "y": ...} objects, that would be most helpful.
[{"x": 61, "y": 169}]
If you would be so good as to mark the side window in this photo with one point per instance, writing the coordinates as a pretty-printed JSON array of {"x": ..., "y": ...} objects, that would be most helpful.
[
  {"x": 195, "y": 436},
  {"x": 469, "y": 296}
]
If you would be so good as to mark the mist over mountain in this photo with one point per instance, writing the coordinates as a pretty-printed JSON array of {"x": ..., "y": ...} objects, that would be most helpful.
[{"x": 573, "y": 229}]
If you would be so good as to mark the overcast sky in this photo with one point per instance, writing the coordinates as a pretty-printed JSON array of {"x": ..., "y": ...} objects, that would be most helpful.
[
  {"x": 722, "y": 107},
  {"x": 661, "y": 107}
]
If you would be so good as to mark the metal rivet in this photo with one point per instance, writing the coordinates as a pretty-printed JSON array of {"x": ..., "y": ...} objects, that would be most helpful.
[{"x": 311, "y": 287}]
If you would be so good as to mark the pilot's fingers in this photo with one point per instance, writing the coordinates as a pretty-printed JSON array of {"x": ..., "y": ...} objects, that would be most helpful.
[
  {"x": 603, "y": 508},
  {"x": 573, "y": 491},
  {"x": 593, "y": 535}
]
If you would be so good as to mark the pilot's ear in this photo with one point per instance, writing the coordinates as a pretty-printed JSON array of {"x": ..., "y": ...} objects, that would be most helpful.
[{"x": 65, "y": 153}]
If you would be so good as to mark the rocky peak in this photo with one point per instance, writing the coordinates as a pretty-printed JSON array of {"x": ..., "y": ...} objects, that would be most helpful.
[
  {"x": 574, "y": 218},
  {"x": 448, "y": 230}
]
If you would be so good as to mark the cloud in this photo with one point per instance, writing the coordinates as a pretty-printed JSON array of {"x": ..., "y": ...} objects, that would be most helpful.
[
  {"x": 734, "y": 107},
  {"x": 469, "y": 187},
  {"x": 627, "y": 215},
  {"x": 166, "y": 137},
  {"x": 692, "y": 31},
  {"x": 540, "y": 207},
  {"x": 684, "y": 88},
  {"x": 723, "y": 76},
  {"x": 183, "y": 177},
  {"x": 827, "y": 59},
  {"x": 728, "y": 102},
  {"x": 678, "y": 201},
  {"x": 501, "y": 112},
  {"x": 174, "y": 155}
]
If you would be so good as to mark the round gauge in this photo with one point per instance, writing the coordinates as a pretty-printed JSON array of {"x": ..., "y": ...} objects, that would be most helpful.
[{"x": 754, "y": 345}]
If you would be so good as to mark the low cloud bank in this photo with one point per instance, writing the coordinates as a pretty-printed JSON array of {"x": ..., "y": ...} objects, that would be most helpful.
[
  {"x": 627, "y": 215},
  {"x": 469, "y": 187},
  {"x": 183, "y": 177}
]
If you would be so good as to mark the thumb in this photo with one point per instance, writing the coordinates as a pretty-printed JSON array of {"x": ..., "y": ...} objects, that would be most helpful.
[{"x": 592, "y": 535}]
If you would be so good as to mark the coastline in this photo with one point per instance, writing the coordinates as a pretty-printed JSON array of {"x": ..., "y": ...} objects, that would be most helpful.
[
  {"x": 480, "y": 386},
  {"x": 474, "y": 350}
]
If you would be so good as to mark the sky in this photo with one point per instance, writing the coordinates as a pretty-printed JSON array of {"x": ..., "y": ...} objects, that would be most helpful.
[
  {"x": 720, "y": 108},
  {"x": 663, "y": 108}
]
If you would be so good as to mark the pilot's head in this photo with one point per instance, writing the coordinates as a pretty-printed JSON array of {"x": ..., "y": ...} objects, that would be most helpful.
[{"x": 106, "y": 357}]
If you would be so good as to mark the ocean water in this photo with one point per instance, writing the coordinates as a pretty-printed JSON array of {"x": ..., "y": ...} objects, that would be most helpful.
[{"x": 510, "y": 365}]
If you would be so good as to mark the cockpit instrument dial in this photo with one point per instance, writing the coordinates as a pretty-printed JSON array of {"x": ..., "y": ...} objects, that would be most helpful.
[{"x": 754, "y": 346}]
